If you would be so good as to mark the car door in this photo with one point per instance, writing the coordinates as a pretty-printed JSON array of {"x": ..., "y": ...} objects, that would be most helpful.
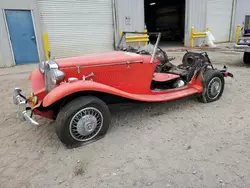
[{"x": 22, "y": 36}]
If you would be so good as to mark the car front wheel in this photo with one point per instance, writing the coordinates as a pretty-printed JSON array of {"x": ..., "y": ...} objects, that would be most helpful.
[
  {"x": 246, "y": 58},
  {"x": 82, "y": 120}
]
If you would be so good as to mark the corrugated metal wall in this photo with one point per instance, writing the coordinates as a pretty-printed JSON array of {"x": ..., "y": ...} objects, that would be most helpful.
[
  {"x": 242, "y": 9},
  {"x": 78, "y": 27},
  {"x": 219, "y": 17},
  {"x": 196, "y": 16},
  {"x": 129, "y": 15}
]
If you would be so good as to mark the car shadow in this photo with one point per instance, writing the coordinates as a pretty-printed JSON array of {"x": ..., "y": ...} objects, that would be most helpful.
[
  {"x": 149, "y": 110},
  {"x": 45, "y": 136}
]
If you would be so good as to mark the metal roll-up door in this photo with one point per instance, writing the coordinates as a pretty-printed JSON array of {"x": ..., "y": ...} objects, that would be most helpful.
[
  {"x": 77, "y": 27},
  {"x": 219, "y": 15},
  {"x": 195, "y": 17}
]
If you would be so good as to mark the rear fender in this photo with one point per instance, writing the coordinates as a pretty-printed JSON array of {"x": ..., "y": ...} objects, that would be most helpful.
[{"x": 67, "y": 89}]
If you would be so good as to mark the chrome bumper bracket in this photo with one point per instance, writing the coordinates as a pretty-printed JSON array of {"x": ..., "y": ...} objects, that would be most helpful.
[{"x": 21, "y": 101}]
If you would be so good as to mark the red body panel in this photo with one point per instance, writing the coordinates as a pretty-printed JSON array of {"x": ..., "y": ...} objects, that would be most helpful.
[
  {"x": 66, "y": 89},
  {"x": 128, "y": 72},
  {"x": 99, "y": 59},
  {"x": 123, "y": 74},
  {"x": 152, "y": 96},
  {"x": 38, "y": 84}
]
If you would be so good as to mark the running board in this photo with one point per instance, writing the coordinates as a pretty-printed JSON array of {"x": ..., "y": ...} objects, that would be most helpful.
[{"x": 171, "y": 95}]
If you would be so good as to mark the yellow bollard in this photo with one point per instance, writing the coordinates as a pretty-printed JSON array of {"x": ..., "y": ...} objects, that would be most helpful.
[
  {"x": 46, "y": 45},
  {"x": 194, "y": 35},
  {"x": 145, "y": 31},
  {"x": 237, "y": 34},
  {"x": 192, "y": 38},
  {"x": 121, "y": 33},
  {"x": 139, "y": 38}
]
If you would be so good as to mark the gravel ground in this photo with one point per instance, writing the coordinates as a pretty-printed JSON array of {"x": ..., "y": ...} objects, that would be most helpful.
[{"x": 181, "y": 143}]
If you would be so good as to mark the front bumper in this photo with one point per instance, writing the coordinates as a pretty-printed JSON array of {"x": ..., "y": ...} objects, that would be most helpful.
[
  {"x": 21, "y": 102},
  {"x": 241, "y": 48}
]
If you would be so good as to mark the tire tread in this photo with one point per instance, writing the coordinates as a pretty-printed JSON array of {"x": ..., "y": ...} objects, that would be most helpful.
[
  {"x": 208, "y": 75},
  {"x": 70, "y": 109}
]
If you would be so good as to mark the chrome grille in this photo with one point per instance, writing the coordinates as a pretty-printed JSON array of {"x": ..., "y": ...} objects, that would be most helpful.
[
  {"x": 47, "y": 78},
  {"x": 48, "y": 70}
]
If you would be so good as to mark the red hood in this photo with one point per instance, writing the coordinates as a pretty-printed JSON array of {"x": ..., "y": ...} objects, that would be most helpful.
[{"x": 100, "y": 58}]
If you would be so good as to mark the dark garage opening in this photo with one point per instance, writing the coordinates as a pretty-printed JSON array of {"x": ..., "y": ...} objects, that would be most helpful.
[{"x": 167, "y": 17}]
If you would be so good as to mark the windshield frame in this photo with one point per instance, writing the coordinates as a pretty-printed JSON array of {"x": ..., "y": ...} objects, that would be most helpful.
[{"x": 158, "y": 34}]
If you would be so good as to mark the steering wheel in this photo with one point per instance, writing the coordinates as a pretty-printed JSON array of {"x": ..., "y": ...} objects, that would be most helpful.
[{"x": 142, "y": 52}]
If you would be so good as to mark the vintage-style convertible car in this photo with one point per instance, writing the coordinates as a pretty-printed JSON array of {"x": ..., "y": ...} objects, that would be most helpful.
[{"x": 76, "y": 91}]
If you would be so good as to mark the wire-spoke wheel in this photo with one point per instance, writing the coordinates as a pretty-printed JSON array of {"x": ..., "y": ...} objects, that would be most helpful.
[
  {"x": 213, "y": 86},
  {"x": 86, "y": 124},
  {"x": 82, "y": 120}
]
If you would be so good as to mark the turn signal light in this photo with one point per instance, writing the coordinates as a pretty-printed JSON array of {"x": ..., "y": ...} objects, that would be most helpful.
[{"x": 33, "y": 99}]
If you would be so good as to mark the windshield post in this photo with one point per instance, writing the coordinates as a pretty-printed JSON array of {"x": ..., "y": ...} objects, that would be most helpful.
[{"x": 156, "y": 46}]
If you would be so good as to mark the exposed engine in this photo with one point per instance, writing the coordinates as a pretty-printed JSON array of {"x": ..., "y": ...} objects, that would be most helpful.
[{"x": 191, "y": 62}]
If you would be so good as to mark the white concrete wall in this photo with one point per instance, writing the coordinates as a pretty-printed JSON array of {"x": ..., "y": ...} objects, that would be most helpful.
[
  {"x": 197, "y": 16},
  {"x": 6, "y": 56},
  {"x": 219, "y": 18}
]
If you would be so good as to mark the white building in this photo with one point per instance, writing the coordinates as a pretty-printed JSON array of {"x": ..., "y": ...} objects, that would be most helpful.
[{"x": 77, "y": 27}]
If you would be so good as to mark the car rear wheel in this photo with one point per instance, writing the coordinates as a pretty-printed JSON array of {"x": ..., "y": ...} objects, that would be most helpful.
[
  {"x": 246, "y": 58},
  {"x": 214, "y": 86},
  {"x": 83, "y": 120}
]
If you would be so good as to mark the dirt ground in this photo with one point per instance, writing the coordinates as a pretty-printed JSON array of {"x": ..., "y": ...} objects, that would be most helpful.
[{"x": 181, "y": 143}]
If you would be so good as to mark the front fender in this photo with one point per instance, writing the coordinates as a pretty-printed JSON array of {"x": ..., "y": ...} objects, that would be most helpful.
[{"x": 66, "y": 89}]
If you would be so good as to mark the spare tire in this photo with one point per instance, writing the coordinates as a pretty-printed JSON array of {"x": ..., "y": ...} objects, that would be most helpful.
[{"x": 190, "y": 58}]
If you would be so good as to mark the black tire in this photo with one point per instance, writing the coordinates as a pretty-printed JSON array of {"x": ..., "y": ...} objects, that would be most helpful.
[
  {"x": 64, "y": 120},
  {"x": 190, "y": 58},
  {"x": 246, "y": 57},
  {"x": 209, "y": 77}
]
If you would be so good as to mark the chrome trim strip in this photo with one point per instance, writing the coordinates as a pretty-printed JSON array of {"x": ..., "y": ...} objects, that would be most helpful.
[{"x": 113, "y": 64}]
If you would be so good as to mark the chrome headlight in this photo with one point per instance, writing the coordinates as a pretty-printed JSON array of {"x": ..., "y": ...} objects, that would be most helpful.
[
  {"x": 57, "y": 76},
  {"x": 42, "y": 67},
  {"x": 53, "y": 76}
]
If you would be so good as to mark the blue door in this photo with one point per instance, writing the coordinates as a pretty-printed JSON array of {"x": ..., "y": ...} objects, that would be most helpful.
[{"x": 22, "y": 36}]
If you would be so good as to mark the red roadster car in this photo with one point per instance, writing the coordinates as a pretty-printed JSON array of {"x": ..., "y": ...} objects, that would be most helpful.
[{"x": 76, "y": 91}]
